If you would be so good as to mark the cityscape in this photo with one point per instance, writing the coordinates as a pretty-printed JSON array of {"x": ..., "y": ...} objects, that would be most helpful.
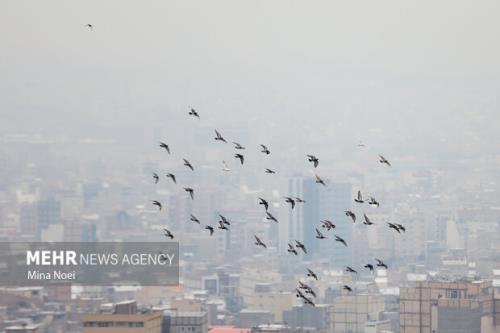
[{"x": 302, "y": 193}]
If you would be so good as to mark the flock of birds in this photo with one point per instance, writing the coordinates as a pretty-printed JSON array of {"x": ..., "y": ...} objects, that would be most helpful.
[{"x": 303, "y": 291}]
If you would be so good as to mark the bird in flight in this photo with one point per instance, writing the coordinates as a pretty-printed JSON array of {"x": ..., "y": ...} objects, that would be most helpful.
[
  {"x": 210, "y": 228},
  {"x": 258, "y": 242},
  {"x": 156, "y": 177},
  {"x": 346, "y": 287},
  {"x": 361, "y": 144},
  {"x": 290, "y": 201},
  {"x": 291, "y": 249},
  {"x": 271, "y": 217},
  {"x": 89, "y": 26},
  {"x": 304, "y": 286},
  {"x": 270, "y": 171},
  {"x": 300, "y": 246},
  {"x": 319, "y": 180},
  {"x": 264, "y": 203},
  {"x": 238, "y": 146},
  {"x": 299, "y": 200},
  {"x": 171, "y": 176},
  {"x": 186, "y": 163},
  {"x": 340, "y": 240},
  {"x": 308, "y": 301},
  {"x": 359, "y": 198},
  {"x": 383, "y": 160},
  {"x": 367, "y": 220},
  {"x": 190, "y": 191},
  {"x": 328, "y": 225},
  {"x": 350, "y": 270},
  {"x": 373, "y": 202},
  {"x": 168, "y": 233},
  {"x": 312, "y": 274},
  {"x": 400, "y": 227},
  {"x": 380, "y": 263},
  {"x": 165, "y": 146},
  {"x": 319, "y": 235},
  {"x": 224, "y": 219},
  {"x": 313, "y": 159},
  {"x": 194, "y": 219},
  {"x": 393, "y": 226},
  {"x": 351, "y": 215},
  {"x": 369, "y": 266},
  {"x": 265, "y": 150},
  {"x": 224, "y": 166},
  {"x": 219, "y": 137},
  {"x": 158, "y": 204},
  {"x": 194, "y": 113},
  {"x": 240, "y": 157},
  {"x": 222, "y": 225}
]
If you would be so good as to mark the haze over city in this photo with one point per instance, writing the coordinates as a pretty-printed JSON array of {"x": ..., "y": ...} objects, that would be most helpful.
[{"x": 396, "y": 100}]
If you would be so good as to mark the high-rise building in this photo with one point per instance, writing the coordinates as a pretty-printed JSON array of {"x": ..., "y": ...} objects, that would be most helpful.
[
  {"x": 49, "y": 212},
  {"x": 322, "y": 202},
  {"x": 449, "y": 307}
]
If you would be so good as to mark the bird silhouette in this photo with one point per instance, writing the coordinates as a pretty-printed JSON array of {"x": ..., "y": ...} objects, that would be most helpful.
[
  {"x": 188, "y": 164},
  {"x": 270, "y": 171},
  {"x": 190, "y": 191},
  {"x": 225, "y": 167},
  {"x": 300, "y": 246},
  {"x": 351, "y": 215},
  {"x": 319, "y": 235},
  {"x": 168, "y": 233},
  {"x": 157, "y": 203},
  {"x": 290, "y": 201},
  {"x": 383, "y": 160},
  {"x": 369, "y": 266},
  {"x": 319, "y": 180},
  {"x": 240, "y": 157},
  {"x": 373, "y": 202},
  {"x": 313, "y": 159},
  {"x": 350, "y": 270},
  {"x": 194, "y": 113},
  {"x": 380, "y": 263},
  {"x": 156, "y": 177},
  {"x": 195, "y": 219},
  {"x": 359, "y": 198},
  {"x": 89, "y": 26},
  {"x": 340, "y": 240},
  {"x": 171, "y": 176},
  {"x": 310, "y": 273},
  {"x": 258, "y": 242},
  {"x": 210, "y": 229},
  {"x": 218, "y": 137},
  {"x": 238, "y": 146},
  {"x": 367, "y": 220},
  {"x": 327, "y": 224},
  {"x": 165, "y": 146},
  {"x": 271, "y": 217},
  {"x": 264, "y": 203},
  {"x": 393, "y": 226},
  {"x": 346, "y": 287},
  {"x": 291, "y": 249},
  {"x": 265, "y": 150}
]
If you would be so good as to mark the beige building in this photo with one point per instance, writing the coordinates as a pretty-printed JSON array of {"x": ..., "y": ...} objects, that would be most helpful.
[
  {"x": 351, "y": 312},
  {"x": 122, "y": 317},
  {"x": 450, "y": 307}
]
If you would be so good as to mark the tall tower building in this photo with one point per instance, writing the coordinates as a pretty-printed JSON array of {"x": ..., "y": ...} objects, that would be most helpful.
[{"x": 322, "y": 202}]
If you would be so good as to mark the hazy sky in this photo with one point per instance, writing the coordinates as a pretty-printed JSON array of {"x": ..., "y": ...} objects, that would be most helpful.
[{"x": 330, "y": 62}]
